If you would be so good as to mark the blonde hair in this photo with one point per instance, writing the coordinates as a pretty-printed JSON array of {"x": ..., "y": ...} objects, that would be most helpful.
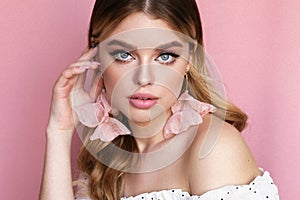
[{"x": 183, "y": 16}]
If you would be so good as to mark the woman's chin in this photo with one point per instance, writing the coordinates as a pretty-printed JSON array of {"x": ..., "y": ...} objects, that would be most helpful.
[
  {"x": 146, "y": 116},
  {"x": 141, "y": 120}
]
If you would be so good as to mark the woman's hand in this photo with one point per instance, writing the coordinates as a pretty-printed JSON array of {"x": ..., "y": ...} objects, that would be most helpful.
[{"x": 61, "y": 113}]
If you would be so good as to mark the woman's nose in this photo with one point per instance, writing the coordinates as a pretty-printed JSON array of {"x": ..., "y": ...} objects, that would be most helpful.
[{"x": 145, "y": 75}]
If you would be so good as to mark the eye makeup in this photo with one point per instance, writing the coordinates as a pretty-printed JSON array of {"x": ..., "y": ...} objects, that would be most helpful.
[
  {"x": 121, "y": 55},
  {"x": 164, "y": 57},
  {"x": 123, "y": 52},
  {"x": 167, "y": 57}
]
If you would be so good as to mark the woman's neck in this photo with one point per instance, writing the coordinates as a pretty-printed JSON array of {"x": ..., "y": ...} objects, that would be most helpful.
[{"x": 149, "y": 136}]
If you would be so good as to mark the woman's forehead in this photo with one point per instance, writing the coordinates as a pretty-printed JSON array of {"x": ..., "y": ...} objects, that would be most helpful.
[{"x": 139, "y": 20}]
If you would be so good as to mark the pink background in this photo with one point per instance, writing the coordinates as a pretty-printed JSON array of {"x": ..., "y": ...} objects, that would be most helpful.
[{"x": 255, "y": 43}]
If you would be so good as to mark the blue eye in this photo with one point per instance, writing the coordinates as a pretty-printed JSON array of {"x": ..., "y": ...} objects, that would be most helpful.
[
  {"x": 167, "y": 58},
  {"x": 121, "y": 55}
]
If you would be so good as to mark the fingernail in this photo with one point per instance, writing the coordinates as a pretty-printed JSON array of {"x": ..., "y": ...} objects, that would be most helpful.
[
  {"x": 83, "y": 67},
  {"x": 94, "y": 45},
  {"x": 96, "y": 63}
]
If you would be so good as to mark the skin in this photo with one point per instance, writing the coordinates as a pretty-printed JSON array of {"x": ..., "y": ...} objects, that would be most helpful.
[
  {"x": 229, "y": 162},
  {"x": 202, "y": 174},
  {"x": 139, "y": 119},
  {"x": 60, "y": 131}
]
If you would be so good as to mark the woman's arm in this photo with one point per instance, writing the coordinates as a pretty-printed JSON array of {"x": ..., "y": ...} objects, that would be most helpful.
[{"x": 57, "y": 176}]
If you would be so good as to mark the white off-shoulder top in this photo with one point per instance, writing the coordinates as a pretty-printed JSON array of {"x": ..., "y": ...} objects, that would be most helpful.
[{"x": 262, "y": 187}]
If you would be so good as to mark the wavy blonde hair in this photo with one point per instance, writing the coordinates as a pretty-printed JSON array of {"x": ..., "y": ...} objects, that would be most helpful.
[{"x": 183, "y": 16}]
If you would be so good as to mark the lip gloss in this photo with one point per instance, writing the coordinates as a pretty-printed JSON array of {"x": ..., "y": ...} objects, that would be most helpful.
[{"x": 142, "y": 100}]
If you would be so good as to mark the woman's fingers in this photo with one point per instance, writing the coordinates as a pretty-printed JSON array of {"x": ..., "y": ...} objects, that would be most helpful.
[
  {"x": 61, "y": 115},
  {"x": 86, "y": 63},
  {"x": 86, "y": 60},
  {"x": 75, "y": 73},
  {"x": 82, "y": 77},
  {"x": 90, "y": 54},
  {"x": 69, "y": 74}
]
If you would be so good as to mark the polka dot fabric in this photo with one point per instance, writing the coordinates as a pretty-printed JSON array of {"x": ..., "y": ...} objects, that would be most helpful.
[{"x": 261, "y": 188}]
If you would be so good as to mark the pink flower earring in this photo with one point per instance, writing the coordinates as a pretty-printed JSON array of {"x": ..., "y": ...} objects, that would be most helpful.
[
  {"x": 186, "y": 112},
  {"x": 96, "y": 115}
]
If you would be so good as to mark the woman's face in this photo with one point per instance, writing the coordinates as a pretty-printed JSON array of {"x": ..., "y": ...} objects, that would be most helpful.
[{"x": 144, "y": 63}]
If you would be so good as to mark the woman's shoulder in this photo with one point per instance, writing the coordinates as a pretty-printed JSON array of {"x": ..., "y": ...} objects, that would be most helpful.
[
  {"x": 262, "y": 187},
  {"x": 219, "y": 156}
]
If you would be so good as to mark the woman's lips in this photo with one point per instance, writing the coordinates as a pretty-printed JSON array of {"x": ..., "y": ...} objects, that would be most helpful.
[{"x": 142, "y": 100}]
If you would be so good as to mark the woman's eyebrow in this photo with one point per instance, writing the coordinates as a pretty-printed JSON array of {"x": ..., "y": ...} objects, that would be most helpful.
[
  {"x": 169, "y": 45},
  {"x": 121, "y": 43},
  {"x": 132, "y": 47}
]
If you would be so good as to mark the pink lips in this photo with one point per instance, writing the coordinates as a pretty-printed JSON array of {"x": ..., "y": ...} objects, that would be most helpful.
[{"x": 142, "y": 100}]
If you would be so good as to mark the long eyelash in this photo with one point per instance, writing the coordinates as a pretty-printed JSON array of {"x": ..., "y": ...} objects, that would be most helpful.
[
  {"x": 115, "y": 52},
  {"x": 175, "y": 55},
  {"x": 121, "y": 61},
  {"x": 171, "y": 54}
]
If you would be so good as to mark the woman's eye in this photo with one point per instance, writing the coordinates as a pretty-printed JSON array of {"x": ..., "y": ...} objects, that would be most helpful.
[
  {"x": 167, "y": 58},
  {"x": 122, "y": 55}
]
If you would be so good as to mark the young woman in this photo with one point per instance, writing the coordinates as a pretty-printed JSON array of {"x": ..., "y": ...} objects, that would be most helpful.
[{"x": 153, "y": 124}]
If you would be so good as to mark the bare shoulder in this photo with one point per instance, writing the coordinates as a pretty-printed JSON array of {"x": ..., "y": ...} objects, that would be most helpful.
[{"x": 219, "y": 156}]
